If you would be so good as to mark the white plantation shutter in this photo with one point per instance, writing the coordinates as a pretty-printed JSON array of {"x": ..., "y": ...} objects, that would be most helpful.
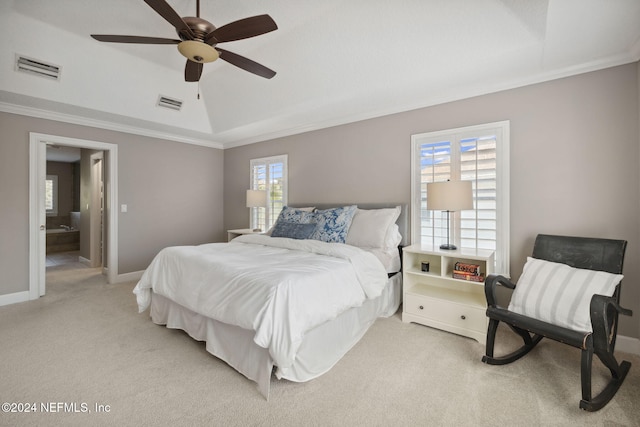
[
  {"x": 435, "y": 166},
  {"x": 478, "y": 228},
  {"x": 269, "y": 174},
  {"x": 479, "y": 154},
  {"x": 258, "y": 182}
]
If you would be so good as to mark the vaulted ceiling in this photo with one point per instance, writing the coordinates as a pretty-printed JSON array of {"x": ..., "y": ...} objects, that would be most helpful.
[{"x": 337, "y": 61}]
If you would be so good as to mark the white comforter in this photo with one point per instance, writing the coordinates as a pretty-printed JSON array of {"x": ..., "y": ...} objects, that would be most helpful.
[{"x": 280, "y": 288}]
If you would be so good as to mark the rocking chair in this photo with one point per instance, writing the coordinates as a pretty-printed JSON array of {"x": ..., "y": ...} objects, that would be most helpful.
[{"x": 532, "y": 319}]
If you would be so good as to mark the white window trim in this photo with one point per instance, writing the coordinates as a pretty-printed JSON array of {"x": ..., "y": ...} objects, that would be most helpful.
[
  {"x": 282, "y": 158},
  {"x": 502, "y": 184}
]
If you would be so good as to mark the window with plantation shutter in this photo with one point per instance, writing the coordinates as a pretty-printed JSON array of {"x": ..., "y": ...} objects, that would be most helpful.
[
  {"x": 270, "y": 174},
  {"x": 479, "y": 154}
]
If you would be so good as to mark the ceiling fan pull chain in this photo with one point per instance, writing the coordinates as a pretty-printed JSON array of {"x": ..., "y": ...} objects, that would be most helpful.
[{"x": 198, "y": 89}]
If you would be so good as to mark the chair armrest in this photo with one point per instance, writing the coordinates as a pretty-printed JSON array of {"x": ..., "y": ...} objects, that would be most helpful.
[
  {"x": 491, "y": 283},
  {"x": 600, "y": 303},
  {"x": 604, "y": 312}
]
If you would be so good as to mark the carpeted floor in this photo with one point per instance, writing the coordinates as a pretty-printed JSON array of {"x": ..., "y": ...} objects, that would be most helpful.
[{"x": 85, "y": 354}]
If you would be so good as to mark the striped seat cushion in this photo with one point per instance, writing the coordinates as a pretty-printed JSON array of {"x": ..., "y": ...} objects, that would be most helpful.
[{"x": 559, "y": 294}]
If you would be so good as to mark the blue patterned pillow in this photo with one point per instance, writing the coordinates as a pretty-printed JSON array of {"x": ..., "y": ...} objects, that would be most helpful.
[
  {"x": 295, "y": 216},
  {"x": 293, "y": 230},
  {"x": 333, "y": 224}
]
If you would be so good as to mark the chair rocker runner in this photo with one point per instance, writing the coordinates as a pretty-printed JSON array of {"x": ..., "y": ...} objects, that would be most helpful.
[{"x": 564, "y": 275}]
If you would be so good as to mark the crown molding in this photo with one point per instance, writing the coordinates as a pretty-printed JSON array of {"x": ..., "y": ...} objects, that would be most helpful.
[{"x": 103, "y": 124}]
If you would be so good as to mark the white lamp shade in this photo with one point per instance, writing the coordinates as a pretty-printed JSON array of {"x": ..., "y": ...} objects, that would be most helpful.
[
  {"x": 449, "y": 196},
  {"x": 256, "y": 199}
]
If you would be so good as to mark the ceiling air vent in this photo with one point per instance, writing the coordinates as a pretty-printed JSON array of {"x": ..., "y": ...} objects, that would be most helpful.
[
  {"x": 37, "y": 67},
  {"x": 171, "y": 103}
]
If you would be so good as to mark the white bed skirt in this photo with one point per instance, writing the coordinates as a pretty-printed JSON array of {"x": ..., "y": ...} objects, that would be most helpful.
[{"x": 321, "y": 349}]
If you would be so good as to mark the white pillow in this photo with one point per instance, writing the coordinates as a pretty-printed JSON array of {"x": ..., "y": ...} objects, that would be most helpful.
[
  {"x": 558, "y": 294},
  {"x": 393, "y": 238},
  {"x": 369, "y": 227}
]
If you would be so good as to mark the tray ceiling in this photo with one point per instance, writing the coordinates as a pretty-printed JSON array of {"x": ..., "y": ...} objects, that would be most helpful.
[{"x": 337, "y": 61}]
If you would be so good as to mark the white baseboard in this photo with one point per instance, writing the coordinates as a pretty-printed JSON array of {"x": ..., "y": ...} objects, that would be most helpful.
[
  {"x": 129, "y": 277},
  {"x": 14, "y": 298},
  {"x": 24, "y": 296},
  {"x": 83, "y": 260},
  {"x": 628, "y": 345}
]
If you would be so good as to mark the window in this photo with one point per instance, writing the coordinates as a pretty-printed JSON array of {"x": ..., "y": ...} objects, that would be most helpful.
[
  {"x": 51, "y": 195},
  {"x": 479, "y": 154},
  {"x": 270, "y": 174}
]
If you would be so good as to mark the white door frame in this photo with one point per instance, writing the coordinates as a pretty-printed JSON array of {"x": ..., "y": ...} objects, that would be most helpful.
[{"x": 37, "y": 211}]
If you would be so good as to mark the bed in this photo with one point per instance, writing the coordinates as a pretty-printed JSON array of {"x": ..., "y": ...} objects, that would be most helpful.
[{"x": 294, "y": 300}]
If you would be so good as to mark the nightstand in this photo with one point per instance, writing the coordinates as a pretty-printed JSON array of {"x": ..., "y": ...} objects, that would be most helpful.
[
  {"x": 433, "y": 297},
  {"x": 232, "y": 234}
]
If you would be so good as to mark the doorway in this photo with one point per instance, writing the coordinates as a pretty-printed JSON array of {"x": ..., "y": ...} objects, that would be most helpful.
[
  {"x": 62, "y": 203},
  {"x": 101, "y": 228},
  {"x": 74, "y": 205}
]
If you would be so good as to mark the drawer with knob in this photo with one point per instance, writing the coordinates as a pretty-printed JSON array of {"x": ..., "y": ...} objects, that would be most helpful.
[{"x": 446, "y": 312}]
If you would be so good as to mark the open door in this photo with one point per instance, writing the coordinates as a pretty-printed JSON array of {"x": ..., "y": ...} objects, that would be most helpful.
[{"x": 96, "y": 209}]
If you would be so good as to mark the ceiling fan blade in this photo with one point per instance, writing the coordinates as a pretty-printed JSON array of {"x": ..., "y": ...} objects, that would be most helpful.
[
  {"x": 246, "y": 64},
  {"x": 242, "y": 29},
  {"x": 167, "y": 12},
  {"x": 133, "y": 39},
  {"x": 192, "y": 71}
]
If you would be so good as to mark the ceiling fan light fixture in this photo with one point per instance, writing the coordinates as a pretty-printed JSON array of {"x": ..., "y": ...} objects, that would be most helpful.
[{"x": 198, "y": 51}]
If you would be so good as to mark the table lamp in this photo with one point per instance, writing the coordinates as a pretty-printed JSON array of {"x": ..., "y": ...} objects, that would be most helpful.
[
  {"x": 449, "y": 196},
  {"x": 256, "y": 199}
]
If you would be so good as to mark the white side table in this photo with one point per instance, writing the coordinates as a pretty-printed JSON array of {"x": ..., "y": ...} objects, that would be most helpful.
[
  {"x": 433, "y": 297},
  {"x": 232, "y": 234}
]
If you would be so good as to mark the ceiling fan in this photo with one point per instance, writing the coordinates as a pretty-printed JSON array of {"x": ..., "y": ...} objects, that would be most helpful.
[{"x": 198, "y": 39}]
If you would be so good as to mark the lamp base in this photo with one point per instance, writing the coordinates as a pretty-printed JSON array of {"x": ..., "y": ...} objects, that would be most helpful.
[{"x": 448, "y": 247}]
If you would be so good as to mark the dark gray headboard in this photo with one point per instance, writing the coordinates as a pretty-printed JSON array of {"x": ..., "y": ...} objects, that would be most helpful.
[{"x": 403, "y": 219}]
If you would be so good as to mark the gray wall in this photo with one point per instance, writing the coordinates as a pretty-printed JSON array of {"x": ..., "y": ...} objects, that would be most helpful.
[
  {"x": 574, "y": 163},
  {"x": 174, "y": 193}
]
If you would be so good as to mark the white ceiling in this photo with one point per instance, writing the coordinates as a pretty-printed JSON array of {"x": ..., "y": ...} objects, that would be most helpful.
[{"x": 337, "y": 61}]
